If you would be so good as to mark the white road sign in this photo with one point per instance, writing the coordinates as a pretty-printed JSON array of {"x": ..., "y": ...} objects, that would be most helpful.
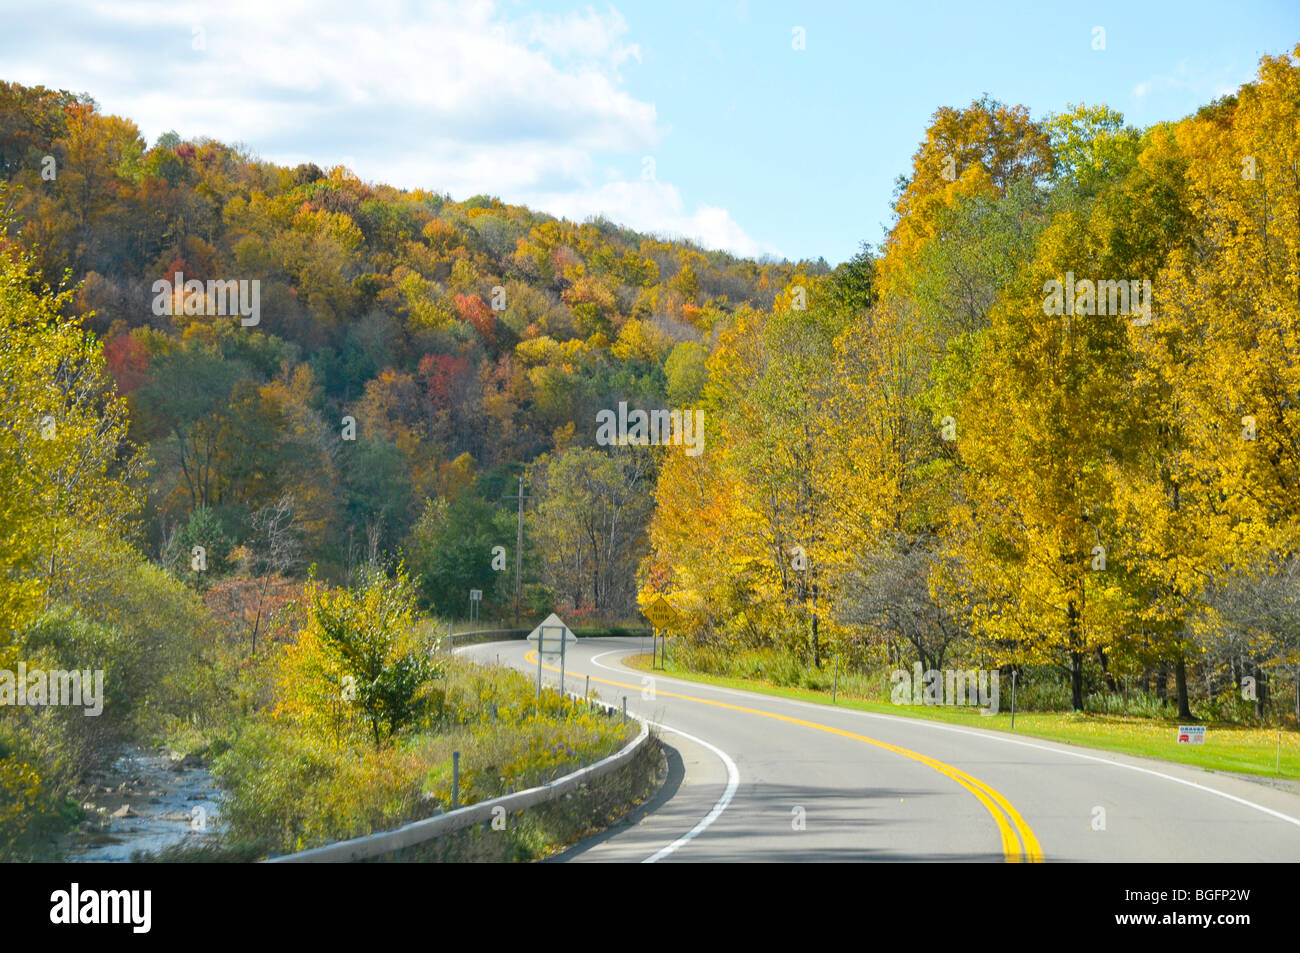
[{"x": 551, "y": 633}]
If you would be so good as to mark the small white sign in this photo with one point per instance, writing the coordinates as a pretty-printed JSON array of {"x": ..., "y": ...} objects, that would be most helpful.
[
  {"x": 1191, "y": 734},
  {"x": 552, "y": 634},
  {"x": 476, "y": 595}
]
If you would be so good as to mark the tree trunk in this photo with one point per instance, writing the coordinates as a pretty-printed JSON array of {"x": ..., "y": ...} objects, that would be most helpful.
[
  {"x": 1162, "y": 682},
  {"x": 1076, "y": 681},
  {"x": 1180, "y": 680},
  {"x": 257, "y": 624},
  {"x": 1076, "y": 657},
  {"x": 1111, "y": 684}
]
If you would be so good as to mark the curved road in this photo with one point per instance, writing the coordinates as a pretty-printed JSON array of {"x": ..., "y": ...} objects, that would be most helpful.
[{"x": 758, "y": 778}]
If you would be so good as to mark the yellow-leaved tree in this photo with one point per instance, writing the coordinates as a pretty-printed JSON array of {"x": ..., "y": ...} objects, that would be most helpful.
[
  {"x": 359, "y": 658},
  {"x": 67, "y": 471},
  {"x": 1222, "y": 357},
  {"x": 1043, "y": 409}
]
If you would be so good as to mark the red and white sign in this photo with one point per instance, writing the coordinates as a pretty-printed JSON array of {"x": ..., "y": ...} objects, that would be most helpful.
[{"x": 1191, "y": 734}]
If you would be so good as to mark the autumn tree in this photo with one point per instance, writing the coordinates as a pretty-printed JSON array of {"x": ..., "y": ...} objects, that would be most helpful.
[
  {"x": 450, "y": 551},
  {"x": 980, "y": 149},
  {"x": 358, "y": 648},
  {"x": 588, "y": 522},
  {"x": 1221, "y": 354},
  {"x": 64, "y": 456}
]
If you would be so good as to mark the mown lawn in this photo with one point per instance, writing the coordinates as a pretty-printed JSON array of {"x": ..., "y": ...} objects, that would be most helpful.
[{"x": 1230, "y": 748}]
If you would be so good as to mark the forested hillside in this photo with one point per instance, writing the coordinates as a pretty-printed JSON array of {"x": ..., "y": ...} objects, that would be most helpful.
[{"x": 463, "y": 339}]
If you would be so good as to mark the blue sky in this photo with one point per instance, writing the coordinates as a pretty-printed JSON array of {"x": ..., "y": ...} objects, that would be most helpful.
[{"x": 753, "y": 145}]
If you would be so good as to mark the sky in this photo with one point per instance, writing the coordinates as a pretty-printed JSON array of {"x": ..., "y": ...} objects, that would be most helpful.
[{"x": 762, "y": 128}]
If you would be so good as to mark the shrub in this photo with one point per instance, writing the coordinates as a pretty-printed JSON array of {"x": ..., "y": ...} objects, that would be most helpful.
[{"x": 359, "y": 651}]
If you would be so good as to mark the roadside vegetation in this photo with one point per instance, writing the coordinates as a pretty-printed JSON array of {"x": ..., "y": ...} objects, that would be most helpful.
[
  {"x": 969, "y": 449},
  {"x": 292, "y": 789},
  {"x": 1141, "y": 724}
]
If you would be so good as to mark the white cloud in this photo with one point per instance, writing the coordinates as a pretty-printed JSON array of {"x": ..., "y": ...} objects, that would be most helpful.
[
  {"x": 653, "y": 206},
  {"x": 585, "y": 35},
  {"x": 460, "y": 96},
  {"x": 1197, "y": 85}
]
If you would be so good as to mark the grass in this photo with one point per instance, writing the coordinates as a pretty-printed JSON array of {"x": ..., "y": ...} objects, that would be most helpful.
[
  {"x": 550, "y": 828},
  {"x": 535, "y": 834},
  {"x": 290, "y": 788},
  {"x": 1230, "y": 748}
]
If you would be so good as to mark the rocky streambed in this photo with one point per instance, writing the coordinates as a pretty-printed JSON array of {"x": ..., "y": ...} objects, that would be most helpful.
[{"x": 144, "y": 801}]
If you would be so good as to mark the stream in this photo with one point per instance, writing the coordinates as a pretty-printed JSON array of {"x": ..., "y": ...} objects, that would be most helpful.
[{"x": 144, "y": 802}]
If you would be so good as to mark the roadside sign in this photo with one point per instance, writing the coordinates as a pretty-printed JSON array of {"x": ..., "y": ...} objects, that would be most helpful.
[
  {"x": 662, "y": 616},
  {"x": 661, "y": 613},
  {"x": 1191, "y": 734},
  {"x": 553, "y": 635},
  {"x": 476, "y": 595}
]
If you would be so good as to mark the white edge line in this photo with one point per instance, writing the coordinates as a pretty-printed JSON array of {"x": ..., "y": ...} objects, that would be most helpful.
[
  {"x": 989, "y": 735},
  {"x": 733, "y": 782}
]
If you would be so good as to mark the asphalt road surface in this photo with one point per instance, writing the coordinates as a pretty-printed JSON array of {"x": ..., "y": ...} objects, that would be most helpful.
[{"x": 758, "y": 778}]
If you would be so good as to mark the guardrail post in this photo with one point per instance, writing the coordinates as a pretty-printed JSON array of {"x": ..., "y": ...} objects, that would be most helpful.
[
  {"x": 455, "y": 780},
  {"x": 625, "y": 708},
  {"x": 587, "y": 691},
  {"x": 445, "y": 822}
]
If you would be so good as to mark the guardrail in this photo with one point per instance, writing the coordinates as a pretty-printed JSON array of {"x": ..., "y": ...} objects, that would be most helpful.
[
  {"x": 430, "y": 828},
  {"x": 450, "y": 641},
  {"x": 582, "y": 632}
]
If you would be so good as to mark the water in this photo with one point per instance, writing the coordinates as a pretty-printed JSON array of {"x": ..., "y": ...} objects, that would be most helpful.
[{"x": 174, "y": 802}]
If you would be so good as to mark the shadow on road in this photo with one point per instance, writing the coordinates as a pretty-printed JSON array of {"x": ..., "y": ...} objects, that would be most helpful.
[{"x": 676, "y": 773}]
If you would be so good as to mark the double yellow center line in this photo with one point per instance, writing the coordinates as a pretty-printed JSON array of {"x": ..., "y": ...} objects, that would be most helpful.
[{"x": 1018, "y": 841}]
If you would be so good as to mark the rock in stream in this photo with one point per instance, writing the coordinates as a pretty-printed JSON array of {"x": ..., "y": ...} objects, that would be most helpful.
[{"x": 144, "y": 802}]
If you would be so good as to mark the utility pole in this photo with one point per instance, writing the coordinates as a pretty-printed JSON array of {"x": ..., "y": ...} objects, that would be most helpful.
[{"x": 519, "y": 546}]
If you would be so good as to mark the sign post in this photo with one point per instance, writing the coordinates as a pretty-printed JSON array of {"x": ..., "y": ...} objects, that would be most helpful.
[
  {"x": 552, "y": 638},
  {"x": 563, "y": 642},
  {"x": 662, "y": 616},
  {"x": 475, "y": 600}
]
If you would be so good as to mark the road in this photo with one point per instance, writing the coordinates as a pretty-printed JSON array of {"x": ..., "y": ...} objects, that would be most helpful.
[{"x": 758, "y": 778}]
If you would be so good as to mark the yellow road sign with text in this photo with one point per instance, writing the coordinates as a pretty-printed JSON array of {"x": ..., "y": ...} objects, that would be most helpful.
[{"x": 661, "y": 613}]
